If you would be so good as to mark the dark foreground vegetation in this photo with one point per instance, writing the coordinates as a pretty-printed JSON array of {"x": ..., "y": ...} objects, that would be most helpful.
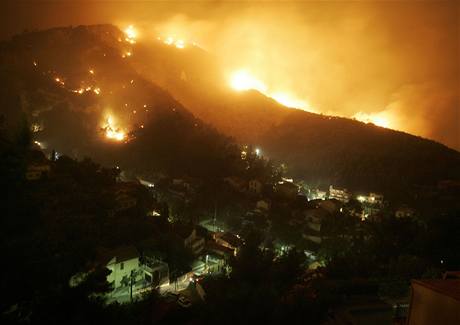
[{"x": 53, "y": 229}]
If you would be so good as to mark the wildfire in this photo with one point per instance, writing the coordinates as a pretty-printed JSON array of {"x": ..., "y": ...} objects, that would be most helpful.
[
  {"x": 131, "y": 34},
  {"x": 178, "y": 43},
  {"x": 242, "y": 80},
  {"x": 80, "y": 91},
  {"x": 111, "y": 131},
  {"x": 288, "y": 101},
  {"x": 379, "y": 119},
  {"x": 169, "y": 41},
  {"x": 59, "y": 81}
]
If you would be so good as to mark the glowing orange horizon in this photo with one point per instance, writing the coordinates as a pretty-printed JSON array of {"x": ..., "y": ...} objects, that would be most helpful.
[
  {"x": 380, "y": 119},
  {"x": 242, "y": 80}
]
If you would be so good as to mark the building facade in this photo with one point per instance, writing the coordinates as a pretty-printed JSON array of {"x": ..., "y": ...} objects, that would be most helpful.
[{"x": 339, "y": 194}]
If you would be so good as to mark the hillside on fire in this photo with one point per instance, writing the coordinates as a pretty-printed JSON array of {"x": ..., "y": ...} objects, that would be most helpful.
[
  {"x": 230, "y": 162},
  {"x": 92, "y": 90},
  {"x": 78, "y": 91}
]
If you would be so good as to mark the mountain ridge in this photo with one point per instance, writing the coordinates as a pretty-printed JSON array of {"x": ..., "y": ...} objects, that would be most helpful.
[
  {"x": 320, "y": 149},
  {"x": 70, "y": 81}
]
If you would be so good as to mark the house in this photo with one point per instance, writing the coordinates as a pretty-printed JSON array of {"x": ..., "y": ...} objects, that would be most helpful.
[
  {"x": 434, "y": 301},
  {"x": 210, "y": 263},
  {"x": 255, "y": 186},
  {"x": 132, "y": 274},
  {"x": 287, "y": 190},
  {"x": 372, "y": 199},
  {"x": 191, "y": 239},
  {"x": 219, "y": 250},
  {"x": 156, "y": 272},
  {"x": 376, "y": 198},
  {"x": 228, "y": 240},
  {"x": 339, "y": 194},
  {"x": 125, "y": 267}
]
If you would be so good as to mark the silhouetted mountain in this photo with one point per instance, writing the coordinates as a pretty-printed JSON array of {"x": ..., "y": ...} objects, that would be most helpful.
[
  {"x": 331, "y": 150},
  {"x": 68, "y": 81},
  {"x": 320, "y": 149},
  {"x": 130, "y": 79}
]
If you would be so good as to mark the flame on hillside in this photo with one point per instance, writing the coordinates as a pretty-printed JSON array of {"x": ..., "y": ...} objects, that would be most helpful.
[
  {"x": 242, "y": 80},
  {"x": 380, "y": 119},
  {"x": 171, "y": 41},
  {"x": 131, "y": 34},
  {"x": 111, "y": 131}
]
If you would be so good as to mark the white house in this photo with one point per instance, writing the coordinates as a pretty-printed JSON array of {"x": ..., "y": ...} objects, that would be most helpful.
[
  {"x": 124, "y": 264},
  {"x": 130, "y": 276}
]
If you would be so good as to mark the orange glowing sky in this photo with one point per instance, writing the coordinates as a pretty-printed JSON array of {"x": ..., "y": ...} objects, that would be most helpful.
[{"x": 393, "y": 63}]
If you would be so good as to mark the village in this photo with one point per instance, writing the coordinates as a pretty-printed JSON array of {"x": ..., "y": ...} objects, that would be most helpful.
[{"x": 211, "y": 228}]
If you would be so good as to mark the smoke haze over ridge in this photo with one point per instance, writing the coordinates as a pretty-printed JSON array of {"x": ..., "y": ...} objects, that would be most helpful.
[{"x": 398, "y": 60}]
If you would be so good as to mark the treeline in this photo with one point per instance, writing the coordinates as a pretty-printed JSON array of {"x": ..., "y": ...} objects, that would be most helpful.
[
  {"x": 60, "y": 225},
  {"x": 388, "y": 252}
]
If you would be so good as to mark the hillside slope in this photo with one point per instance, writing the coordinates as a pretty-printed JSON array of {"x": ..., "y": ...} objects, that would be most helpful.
[
  {"x": 329, "y": 150},
  {"x": 76, "y": 84},
  {"x": 320, "y": 149},
  {"x": 52, "y": 76}
]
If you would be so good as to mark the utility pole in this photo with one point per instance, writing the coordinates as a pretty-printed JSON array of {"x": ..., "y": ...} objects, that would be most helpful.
[
  {"x": 215, "y": 215},
  {"x": 131, "y": 285}
]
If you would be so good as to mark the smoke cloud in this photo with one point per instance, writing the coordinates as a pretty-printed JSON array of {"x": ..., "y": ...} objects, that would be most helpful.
[{"x": 398, "y": 61}]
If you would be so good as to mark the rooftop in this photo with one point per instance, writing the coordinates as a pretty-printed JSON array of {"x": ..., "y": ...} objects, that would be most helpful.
[
  {"x": 214, "y": 247},
  {"x": 125, "y": 253},
  {"x": 231, "y": 239},
  {"x": 449, "y": 287}
]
